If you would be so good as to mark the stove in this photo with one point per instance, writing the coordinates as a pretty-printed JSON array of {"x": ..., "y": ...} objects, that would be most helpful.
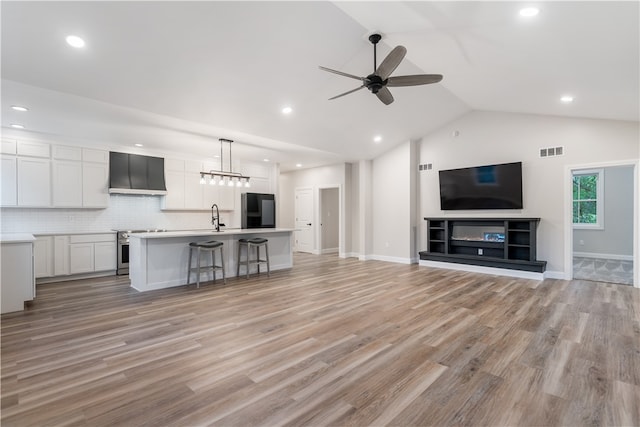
[{"x": 123, "y": 247}]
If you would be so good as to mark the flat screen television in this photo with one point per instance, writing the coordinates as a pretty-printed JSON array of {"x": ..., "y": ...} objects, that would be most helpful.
[{"x": 482, "y": 187}]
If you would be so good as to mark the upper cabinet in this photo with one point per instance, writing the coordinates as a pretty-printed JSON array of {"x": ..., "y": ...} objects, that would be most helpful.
[
  {"x": 41, "y": 175},
  {"x": 185, "y": 192},
  {"x": 95, "y": 178}
]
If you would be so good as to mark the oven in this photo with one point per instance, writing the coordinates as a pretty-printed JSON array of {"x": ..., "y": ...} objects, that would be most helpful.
[
  {"x": 123, "y": 253},
  {"x": 123, "y": 248}
]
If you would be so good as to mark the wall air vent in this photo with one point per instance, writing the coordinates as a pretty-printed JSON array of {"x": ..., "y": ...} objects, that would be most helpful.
[
  {"x": 551, "y": 152},
  {"x": 425, "y": 167}
]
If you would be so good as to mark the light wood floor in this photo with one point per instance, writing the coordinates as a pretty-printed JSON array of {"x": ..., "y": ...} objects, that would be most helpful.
[{"x": 330, "y": 342}]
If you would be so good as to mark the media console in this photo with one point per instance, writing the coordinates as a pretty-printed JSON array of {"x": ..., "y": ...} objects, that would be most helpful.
[{"x": 490, "y": 242}]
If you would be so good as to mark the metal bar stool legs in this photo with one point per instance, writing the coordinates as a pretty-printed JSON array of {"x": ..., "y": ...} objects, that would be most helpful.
[
  {"x": 212, "y": 247},
  {"x": 248, "y": 244}
]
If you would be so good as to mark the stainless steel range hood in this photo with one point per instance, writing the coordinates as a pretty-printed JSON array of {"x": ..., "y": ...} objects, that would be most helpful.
[{"x": 136, "y": 174}]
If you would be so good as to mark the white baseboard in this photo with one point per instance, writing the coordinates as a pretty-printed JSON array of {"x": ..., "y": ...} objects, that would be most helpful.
[
  {"x": 329, "y": 251},
  {"x": 398, "y": 260},
  {"x": 348, "y": 255},
  {"x": 604, "y": 256},
  {"x": 555, "y": 275},
  {"x": 485, "y": 270}
]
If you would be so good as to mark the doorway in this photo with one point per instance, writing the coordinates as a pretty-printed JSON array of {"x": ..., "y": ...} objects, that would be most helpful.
[
  {"x": 329, "y": 212},
  {"x": 603, "y": 224}
]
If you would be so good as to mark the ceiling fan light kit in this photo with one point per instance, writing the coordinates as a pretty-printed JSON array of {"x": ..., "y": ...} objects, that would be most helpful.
[{"x": 380, "y": 79}]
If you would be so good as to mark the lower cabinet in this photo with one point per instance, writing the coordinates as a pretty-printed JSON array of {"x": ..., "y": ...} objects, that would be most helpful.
[
  {"x": 90, "y": 253},
  {"x": 16, "y": 276},
  {"x": 43, "y": 254},
  {"x": 64, "y": 255}
]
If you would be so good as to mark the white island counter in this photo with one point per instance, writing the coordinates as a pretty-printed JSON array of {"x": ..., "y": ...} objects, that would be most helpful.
[{"x": 159, "y": 260}]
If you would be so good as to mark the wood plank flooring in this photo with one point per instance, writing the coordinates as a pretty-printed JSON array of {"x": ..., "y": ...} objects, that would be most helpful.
[{"x": 329, "y": 342}]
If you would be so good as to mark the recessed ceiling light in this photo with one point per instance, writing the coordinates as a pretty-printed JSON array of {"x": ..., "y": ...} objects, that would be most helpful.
[
  {"x": 287, "y": 110},
  {"x": 377, "y": 138},
  {"x": 138, "y": 145},
  {"x": 298, "y": 165},
  {"x": 528, "y": 12},
  {"x": 566, "y": 99},
  {"x": 19, "y": 108},
  {"x": 75, "y": 41},
  {"x": 17, "y": 126},
  {"x": 217, "y": 156},
  {"x": 265, "y": 160}
]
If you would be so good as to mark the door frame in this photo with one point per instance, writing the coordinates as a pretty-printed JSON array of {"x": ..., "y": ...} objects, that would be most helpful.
[
  {"x": 318, "y": 214},
  {"x": 568, "y": 215}
]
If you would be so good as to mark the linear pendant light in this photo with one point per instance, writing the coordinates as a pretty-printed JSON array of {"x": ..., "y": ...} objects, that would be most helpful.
[{"x": 222, "y": 176}]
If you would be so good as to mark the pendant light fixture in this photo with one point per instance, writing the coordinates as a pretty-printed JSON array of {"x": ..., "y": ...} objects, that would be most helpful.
[{"x": 222, "y": 176}]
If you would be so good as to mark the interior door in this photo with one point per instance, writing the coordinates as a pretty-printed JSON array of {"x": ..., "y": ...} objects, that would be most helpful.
[{"x": 304, "y": 220}]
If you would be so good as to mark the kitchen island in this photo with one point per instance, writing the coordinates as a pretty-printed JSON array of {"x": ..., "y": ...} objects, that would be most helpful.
[{"x": 159, "y": 260}]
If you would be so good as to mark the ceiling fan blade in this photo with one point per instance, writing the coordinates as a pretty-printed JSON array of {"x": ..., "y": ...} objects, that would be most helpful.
[
  {"x": 341, "y": 73},
  {"x": 346, "y": 93},
  {"x": 391, "y": 62},
  {"x": 414, "y": 80},
  {"x": 385, "y": 96}
]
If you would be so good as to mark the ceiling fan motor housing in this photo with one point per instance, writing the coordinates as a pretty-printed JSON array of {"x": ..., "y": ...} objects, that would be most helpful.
[{"x": 374, "y": 83}]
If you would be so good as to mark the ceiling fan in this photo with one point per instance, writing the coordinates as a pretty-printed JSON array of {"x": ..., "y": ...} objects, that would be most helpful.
[{"x": 378, "y": 81}]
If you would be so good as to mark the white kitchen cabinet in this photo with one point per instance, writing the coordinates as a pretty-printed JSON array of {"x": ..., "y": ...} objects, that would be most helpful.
[
  {"x": 9, "y": 196},
  {"x": 34, "y": 149},
  {"x": 34, "y": 182},
  {"x": 67, "y": 184},
  {"x": 174, "y": 199},
  {"x": 258, "y": 185},
  {"x": 16, "y": 275},
  {"x": 95, "y": 185},
  {"x": 43, "y": 254},
  {"x": 104, "y": 256},
  {"x": 81, "y": 258},
  {"x": 227, "y": 198},
  {"x": 64, "y": 152},
  {"x": 193, "y": 191},
  {"x": 90, "y": 253},
  {"x": 60, "y": 255},
  {"x": 95, "y": 156},
  {"x": 9, "y": 146}
]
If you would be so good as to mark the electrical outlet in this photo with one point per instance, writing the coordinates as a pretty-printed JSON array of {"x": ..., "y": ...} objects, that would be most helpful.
[{"x": 480, "y": 251}]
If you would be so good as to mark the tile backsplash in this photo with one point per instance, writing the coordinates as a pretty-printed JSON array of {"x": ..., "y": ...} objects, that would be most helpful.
[{"x": 124, "y": 212}]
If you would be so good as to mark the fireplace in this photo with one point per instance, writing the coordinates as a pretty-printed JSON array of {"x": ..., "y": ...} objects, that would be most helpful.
[{"x": 477, "y": 233}]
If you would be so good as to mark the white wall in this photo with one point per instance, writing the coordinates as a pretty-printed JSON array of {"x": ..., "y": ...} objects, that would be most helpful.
[
  {"x": 616, "y": 238},
  {"x": 486, "y": 138},
  {"x": 392, "y": 203}
]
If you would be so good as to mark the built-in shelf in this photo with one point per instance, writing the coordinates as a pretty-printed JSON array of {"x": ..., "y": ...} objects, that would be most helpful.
[{"x": 491, "y": 242}]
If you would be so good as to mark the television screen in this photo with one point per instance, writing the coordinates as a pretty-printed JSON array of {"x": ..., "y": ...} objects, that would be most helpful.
[{"x": 482, "y": 187}]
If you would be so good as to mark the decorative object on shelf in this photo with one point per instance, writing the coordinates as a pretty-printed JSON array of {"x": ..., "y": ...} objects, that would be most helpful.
[{"x": 222, "y": 176}]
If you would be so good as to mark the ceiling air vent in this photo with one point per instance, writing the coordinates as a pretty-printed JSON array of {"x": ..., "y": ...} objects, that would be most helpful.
[{"x": 551, "y": 152}]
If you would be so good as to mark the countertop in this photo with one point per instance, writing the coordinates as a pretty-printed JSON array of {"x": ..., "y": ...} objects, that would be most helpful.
[
  {"x": 209, "y": 232},
  {"x": 16, "y": 238}
]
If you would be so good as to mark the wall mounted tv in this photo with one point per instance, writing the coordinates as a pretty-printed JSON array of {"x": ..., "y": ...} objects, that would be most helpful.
[{"x": 482, "y": 187}]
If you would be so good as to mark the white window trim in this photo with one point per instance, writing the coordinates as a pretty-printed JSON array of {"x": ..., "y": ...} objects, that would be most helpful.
[{"x": 599, "y": 225}]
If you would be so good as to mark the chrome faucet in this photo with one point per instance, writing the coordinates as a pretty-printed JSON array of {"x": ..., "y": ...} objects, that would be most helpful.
[{"x": 215, "y": 220}]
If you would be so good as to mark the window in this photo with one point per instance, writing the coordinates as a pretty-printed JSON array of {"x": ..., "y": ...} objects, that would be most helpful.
[{"x": 588, "y": 199}]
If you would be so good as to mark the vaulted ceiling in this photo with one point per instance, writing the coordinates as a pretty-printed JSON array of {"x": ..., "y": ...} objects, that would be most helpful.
[{"x": 176, "y": 76}]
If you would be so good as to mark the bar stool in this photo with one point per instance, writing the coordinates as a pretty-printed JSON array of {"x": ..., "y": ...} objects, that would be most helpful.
[
  {"x": 256, "y": 242},
  {"x": 211, "y": 246}
]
